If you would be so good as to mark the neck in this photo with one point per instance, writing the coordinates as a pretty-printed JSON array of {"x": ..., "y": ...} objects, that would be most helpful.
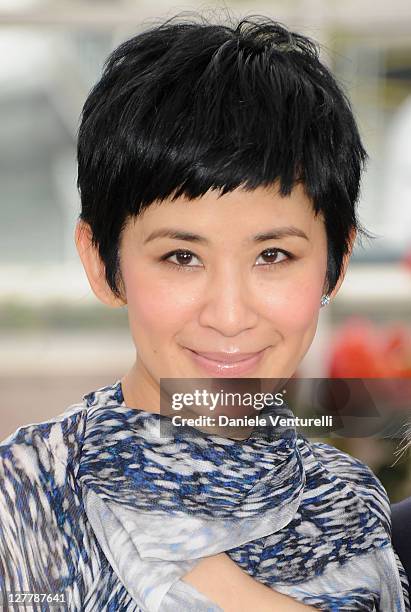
[{"x": 141, "y": 391}]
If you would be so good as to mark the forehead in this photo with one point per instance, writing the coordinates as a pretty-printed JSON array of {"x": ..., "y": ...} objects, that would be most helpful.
[{"x": 239, "y": 212}]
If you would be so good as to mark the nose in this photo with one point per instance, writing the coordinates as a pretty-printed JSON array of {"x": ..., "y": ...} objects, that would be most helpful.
[{"x": 228, "y": 303}]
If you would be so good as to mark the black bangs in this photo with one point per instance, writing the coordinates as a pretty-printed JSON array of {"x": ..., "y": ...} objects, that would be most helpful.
[{"x": 188, "y": 107}]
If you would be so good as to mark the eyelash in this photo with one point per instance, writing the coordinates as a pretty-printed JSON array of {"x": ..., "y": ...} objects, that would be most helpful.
[{"x": 183, "y": 268}]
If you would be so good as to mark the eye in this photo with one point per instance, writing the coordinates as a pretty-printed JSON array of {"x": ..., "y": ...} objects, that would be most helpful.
[
  {"x": 184, "y": 259},
  {"x": 273, "y": 254}
]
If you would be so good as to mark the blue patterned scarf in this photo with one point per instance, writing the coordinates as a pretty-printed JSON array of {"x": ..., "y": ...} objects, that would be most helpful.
[{"x": 300, "y": 517}]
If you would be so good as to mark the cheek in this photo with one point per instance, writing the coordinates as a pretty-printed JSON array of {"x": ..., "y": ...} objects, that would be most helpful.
[
  {"x": 294, "y": 306},
  {"x": 154, "y": 306}
]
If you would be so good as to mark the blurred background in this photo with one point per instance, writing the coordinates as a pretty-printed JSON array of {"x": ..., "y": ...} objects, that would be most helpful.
[{"x": 57, "y": 342}]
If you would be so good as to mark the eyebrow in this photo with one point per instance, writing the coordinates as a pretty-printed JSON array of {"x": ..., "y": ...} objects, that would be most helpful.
[{"x": 274, "y": 234}]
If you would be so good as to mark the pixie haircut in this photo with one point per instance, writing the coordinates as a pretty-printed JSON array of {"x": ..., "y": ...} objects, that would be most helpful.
[{"x": 189, "y": 106}]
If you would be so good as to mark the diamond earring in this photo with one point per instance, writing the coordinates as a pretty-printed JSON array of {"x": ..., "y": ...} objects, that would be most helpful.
[{"x": 325, "y": 299}]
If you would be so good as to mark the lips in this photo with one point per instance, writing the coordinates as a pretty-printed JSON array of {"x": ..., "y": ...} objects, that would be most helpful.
[
  {"x": 226, "y": 357},
  {"x": 226, "y": 364}
]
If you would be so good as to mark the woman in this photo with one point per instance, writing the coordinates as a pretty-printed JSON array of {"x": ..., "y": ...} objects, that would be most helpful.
[{"x": 219, "y": 170}]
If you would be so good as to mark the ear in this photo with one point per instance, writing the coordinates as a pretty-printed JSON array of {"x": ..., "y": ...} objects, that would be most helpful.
[
  {"x": 93, "y": 266},
  {"x": 353, "y": 234}
]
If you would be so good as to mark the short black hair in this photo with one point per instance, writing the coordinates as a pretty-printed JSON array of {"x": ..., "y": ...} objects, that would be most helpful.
[{"x": 188, "y": 106}]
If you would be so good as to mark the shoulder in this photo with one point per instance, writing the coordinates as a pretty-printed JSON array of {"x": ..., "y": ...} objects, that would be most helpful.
[
  {"x": 36, "y": 458},
  {"x": 351, "y": 499},
  {"x": 36, "y": 463},
  {"x": 47, "y": 448},
  {"x": 357, "y": 476},
  {"x": 38, "y": 500},
  {"x": 46, "y": 452}
]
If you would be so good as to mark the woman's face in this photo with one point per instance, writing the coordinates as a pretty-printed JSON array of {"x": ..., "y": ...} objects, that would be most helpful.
[{"x": 230, "y": 286}]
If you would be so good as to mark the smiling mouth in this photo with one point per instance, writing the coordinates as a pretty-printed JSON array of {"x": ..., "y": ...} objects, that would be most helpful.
[
  {"x": 226, "y": 364},
  {"x": 227, "y": 358}
]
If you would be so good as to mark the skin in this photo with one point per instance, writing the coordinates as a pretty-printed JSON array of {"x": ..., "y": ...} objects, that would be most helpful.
[
  {"x": 225, "y": 583},
  {"x": 231, "y": 293}
]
